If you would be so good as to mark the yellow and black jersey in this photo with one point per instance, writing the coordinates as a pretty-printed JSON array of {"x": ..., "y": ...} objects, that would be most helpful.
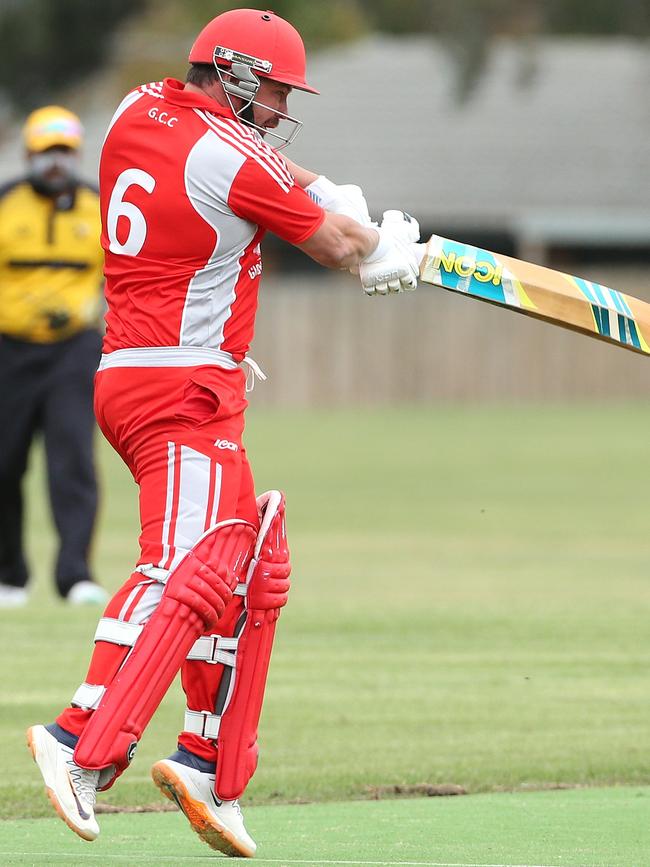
[{"x": 50, "y": 262}]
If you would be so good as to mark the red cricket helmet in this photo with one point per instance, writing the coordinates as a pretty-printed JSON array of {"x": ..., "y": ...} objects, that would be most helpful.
[{"x": 262, "y": 35}]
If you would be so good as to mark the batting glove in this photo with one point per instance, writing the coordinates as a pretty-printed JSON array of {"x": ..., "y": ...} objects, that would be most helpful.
[
  {"x": 346, "y": 199},
  {"x": 394, "y": 266},
  {"x": 402, "y": 225}
]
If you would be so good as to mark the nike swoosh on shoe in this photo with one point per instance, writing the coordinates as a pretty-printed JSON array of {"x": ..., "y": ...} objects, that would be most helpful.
[{"x": 82, "y": 812}]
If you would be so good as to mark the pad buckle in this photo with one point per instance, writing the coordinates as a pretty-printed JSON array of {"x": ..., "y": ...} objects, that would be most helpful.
[{"x": 214, "y": 651}]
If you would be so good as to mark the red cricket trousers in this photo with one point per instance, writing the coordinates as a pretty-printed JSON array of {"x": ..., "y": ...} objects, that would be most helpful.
[{"x": 179, "y": 430}]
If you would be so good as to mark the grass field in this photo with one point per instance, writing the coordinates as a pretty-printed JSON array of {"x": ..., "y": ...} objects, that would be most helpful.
[
  {"x": 596, "y": 827},
  {"x": 470, "y": 607}
]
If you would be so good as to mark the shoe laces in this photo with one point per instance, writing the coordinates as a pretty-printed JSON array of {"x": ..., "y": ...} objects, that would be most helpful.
[{"x": 84, "y": 782}]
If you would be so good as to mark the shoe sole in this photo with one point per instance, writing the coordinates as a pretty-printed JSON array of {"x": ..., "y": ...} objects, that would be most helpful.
[
  {"x": 217, "y": 836},
  {"x": 85, "y": 835}
]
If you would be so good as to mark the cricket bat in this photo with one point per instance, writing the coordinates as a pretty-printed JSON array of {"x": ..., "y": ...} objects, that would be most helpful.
[{"x": 570, "y": 302}]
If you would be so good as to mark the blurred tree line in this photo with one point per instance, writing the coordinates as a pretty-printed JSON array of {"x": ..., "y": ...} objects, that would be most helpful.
[{"x": 48, "y": 44}]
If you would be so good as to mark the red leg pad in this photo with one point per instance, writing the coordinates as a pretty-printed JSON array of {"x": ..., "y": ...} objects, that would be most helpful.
[
  {"x": 267, "y": 593},
  {"x": 194, "y": 598}
]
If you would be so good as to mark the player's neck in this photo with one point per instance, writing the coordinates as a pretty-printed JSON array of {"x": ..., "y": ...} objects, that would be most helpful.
[{"x": 213, "y": 91}]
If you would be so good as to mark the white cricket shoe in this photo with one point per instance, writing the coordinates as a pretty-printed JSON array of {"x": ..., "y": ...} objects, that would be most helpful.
[
  {"x": 220, "y": 824},
  {"x": 86, "y": 593},
  {"x": 71, "y": 789},
  {"x": 12, "y": 597}
]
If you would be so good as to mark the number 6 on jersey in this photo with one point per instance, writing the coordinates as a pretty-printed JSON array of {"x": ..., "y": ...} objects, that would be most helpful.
[{"x": 117, "y": 208}]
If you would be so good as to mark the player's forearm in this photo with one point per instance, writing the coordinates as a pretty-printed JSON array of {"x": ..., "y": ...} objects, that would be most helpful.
[
  {"x": 303, "y": 177},
  {"x": 340, "y": 242}
]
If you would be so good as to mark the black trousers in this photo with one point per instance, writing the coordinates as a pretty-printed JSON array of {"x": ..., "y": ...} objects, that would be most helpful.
[{"x": 48, "y": 389}]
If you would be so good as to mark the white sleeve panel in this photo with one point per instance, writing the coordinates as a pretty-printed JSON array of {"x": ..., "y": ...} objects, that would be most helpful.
[{"x": 210, "y": 170}]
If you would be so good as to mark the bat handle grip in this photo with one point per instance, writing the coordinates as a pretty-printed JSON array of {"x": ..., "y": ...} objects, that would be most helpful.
[{"x": 420, "y": 252}]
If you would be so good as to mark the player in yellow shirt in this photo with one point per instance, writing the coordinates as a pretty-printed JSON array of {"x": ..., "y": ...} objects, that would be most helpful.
[{"x": 50, "y": 344}]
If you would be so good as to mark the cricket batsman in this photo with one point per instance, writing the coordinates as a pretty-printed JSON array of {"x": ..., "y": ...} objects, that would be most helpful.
[{"x": 190, "y": 181}]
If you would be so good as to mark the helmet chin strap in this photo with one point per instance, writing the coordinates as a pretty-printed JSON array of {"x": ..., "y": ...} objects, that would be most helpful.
[{"x": 247, "y": 116}]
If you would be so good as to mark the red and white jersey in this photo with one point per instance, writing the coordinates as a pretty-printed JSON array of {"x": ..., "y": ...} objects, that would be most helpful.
[{"x": 187, "y": 192}]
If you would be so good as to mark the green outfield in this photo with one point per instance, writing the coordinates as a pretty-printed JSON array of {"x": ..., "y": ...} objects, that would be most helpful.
[
  {"x": 595, "y": 827},
  {"x": 470, "y": 607}
]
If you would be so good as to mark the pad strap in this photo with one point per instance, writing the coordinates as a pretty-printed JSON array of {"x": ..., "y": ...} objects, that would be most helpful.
[
  {"x": 88, "y": 696},
  {"x": 214, "y": 649},
  {"x": 118, "y": 631},
  {"x": 202, "y": 723},
  {"x": 155, "y": 573}
]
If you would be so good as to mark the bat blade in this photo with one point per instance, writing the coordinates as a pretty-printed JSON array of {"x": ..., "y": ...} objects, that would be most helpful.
[{"x": 561, "y": 299}]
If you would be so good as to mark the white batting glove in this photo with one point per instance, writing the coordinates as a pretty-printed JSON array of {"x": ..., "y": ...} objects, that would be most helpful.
[
  {"x": 346, "y": 199},
  {"x": 402, "y": 225},
  {"x": 393, "y": 266}
]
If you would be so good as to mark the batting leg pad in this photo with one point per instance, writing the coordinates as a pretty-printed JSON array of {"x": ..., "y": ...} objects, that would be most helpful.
[
  {"x": 267, "y": 589},
  {"x": 195, "y": 596}
]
